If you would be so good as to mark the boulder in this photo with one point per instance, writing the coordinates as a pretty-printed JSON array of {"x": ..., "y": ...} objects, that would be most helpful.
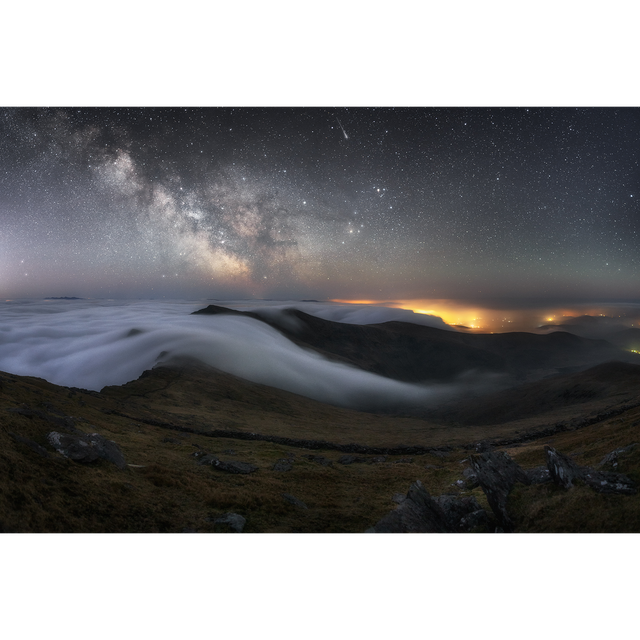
[
  {"x": 470, "y": 477},
  {"x": 86, "y": 448},
  {"x": 325, "y": 462},
  {"x": 612, "y": 459},
  {"x": 235, "y": 521},
  {"x": 538, "y": 475},
  {"x": 473, "y": 520},
  {"x": 73, "y": 447},
  {"x": 107, "y": 450},
  {"x": 497, "y": 474},
  {"x": 417, "y": 513},
  {"x": 284, "y": 464},
  {"x": 456, "y": 508},
  {"x": 348, "y": 459},
  {"x": 565, "y": 472},
  {"x": 234, "y": 467}
]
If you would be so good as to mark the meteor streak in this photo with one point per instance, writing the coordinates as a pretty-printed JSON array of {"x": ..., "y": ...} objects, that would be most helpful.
[{"x": 346, "y": 137}]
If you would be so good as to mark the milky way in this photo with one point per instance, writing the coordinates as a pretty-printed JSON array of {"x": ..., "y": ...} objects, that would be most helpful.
[{"x": 320, "y": 203}]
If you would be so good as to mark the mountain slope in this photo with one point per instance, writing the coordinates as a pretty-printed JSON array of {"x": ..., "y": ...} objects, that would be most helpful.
[{"x": 415, "y": 353}]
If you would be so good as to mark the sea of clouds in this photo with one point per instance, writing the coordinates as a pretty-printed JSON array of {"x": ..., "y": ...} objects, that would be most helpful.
[{"x": 95, "y": 343}]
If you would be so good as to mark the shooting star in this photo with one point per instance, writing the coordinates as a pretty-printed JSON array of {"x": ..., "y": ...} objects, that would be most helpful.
[{"x": 346, "y": 137}]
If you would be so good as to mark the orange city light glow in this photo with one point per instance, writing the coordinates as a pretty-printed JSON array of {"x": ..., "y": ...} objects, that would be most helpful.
[{"x": 451, "y": 311}]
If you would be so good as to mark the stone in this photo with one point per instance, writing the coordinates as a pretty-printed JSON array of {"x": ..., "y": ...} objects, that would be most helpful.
[
  {"x": 612, "y": 459},
  {"x": 470, "y": 477},
  {"x": 348, "y": 459},
  {"x": 474, "y": 520},
  {"x": 234, "y": 520},
  {"x": 456, "y": 508},
  {"x": 283, "y": 464},
  {"x": 72, "y": 447},
  {"x": 565, "y": 472},
  {"x": 207, "y": 458},
  {"x": 107, "y": 450},
  {"x": 294, "y": 501},
  {"x": 398, "y": 497},
  {"x": 234, "y": 467},
  {"x": 497, "y": 474},
  {"x": 417, "y": 513},
  {"x": 325, "y": 462},
  {"x": 86, "y": 448},
  {"x": 538, "y": 475}
]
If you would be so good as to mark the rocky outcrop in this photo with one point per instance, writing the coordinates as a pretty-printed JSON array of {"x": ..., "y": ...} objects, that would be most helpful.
[
  {"x": 230, "y": 466},
  {"x": 417, "y": 513},
  {"x": 497, "y": 474},
  {"x": 459, "y": 512},
  {"x": 565, "y": 472},
  {"x": 234, "y": 467},
  {"x": 86, "y": 448},
  {"x": 235, "y": 521},
  {"x": 612, "y": 459},
  {"x": 284, "y": 464}
]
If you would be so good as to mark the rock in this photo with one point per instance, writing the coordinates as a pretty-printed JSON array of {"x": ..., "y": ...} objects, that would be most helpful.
[
  {"x": 351, "y": 459},
  {"x": 206, "y": 458},
  {"x": 538, "y": 475},
  {"x": 456, "y": 508},
  {"x": 294, "y": 501},
  {"x": 611, "y": 459},
  {"x": 234, "y": 467},
  {"x": 565, "y": 472},
  {"x": 325, "y": 462},
  {"x": 473, "y": 520},
  {"x": 398, "y": 497},
  {"x": 87, "y": 447},
  {"x": 470, "y": 477},
  {"x": 107, "y": 450},
  {"x": 72, "y": 447},
  {"x": 497, "y": 474},
  {"x": 283, "y": 464},
  {"x": 418, "y": 513},
  {"x": 378, "y": 460},
  {"x": 235, "y": 521}
]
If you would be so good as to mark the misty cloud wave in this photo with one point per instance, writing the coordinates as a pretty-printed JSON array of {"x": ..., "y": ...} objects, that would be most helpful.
[
  {"x": 92, "y": 344},
  {"x": 349, "y": 313}
]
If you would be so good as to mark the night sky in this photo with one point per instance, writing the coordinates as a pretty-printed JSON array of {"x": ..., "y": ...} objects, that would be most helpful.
[{"x": 329, "y": 203}]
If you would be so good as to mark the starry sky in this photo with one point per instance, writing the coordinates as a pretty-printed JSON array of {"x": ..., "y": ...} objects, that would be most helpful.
[{"x": 504, "y": 204}]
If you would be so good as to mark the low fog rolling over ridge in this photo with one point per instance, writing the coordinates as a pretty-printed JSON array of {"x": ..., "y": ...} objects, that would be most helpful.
[{"x": 94, "y": 343}]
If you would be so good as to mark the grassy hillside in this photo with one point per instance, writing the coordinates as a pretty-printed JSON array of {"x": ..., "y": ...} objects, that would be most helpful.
[{"x": 173, "y": 412}]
